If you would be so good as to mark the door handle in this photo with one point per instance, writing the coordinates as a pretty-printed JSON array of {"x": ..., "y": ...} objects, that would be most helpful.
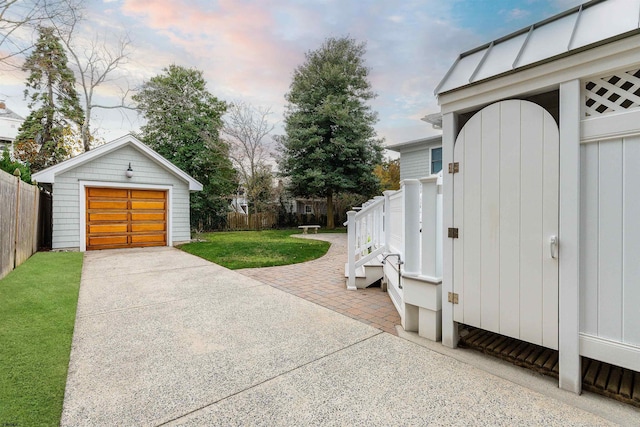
[{"x": 553, "y": 246}]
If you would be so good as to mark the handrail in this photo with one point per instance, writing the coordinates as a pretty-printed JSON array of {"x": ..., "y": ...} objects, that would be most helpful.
[
  {"x": 407, "y": 221},
  {"x": 365, "y": 230}
]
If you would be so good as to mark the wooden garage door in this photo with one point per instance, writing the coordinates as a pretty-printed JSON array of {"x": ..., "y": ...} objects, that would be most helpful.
[{"x": 125, "y": 218}]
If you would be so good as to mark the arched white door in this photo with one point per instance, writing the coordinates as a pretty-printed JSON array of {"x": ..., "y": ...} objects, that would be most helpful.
[{"x": 505, "y": 198}]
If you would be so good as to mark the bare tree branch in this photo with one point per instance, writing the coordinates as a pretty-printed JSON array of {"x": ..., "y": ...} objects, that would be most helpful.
[
  {"x": 246, "y": 129},
  {"x": 96, "y": 63},
  {"x": 18, "y": 19}
]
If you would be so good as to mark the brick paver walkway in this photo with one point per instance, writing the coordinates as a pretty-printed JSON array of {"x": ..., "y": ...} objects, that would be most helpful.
[{"x": 322, "y": 281}]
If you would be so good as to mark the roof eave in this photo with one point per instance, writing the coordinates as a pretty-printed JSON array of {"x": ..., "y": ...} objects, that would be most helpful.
[
  {"x": 544, "y": 61},
  {"x": 48, "y": 175}
]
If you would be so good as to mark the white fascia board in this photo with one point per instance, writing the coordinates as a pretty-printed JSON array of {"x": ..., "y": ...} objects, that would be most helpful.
[
  {"x": 48, "y": 175},
  {"x": 416, "y": 143}
]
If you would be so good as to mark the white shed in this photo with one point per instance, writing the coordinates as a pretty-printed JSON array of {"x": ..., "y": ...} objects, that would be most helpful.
[
  {"x": 542, "y": 131},
  {"x": 118, "y": 195}
]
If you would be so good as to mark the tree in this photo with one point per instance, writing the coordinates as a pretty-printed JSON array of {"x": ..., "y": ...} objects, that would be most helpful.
[
  {"x": 388, "y": 172},
  {"x": 247, "y": 128},
  {"x": 95, "y": 61},
  {"x": 183, "y": 125},
  {"x": 53, "y": 101},
  {"x": 330, "y": 144},
  {"x": 16, "y": 15},
  {"x": 9, "y": 166}
]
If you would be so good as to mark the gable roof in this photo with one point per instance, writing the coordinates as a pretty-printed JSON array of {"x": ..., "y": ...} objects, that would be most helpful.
[
  {"x": 6, "y": 113},
  {"x": 48, "y": 175},
  {"x": 591, "y": 24}
]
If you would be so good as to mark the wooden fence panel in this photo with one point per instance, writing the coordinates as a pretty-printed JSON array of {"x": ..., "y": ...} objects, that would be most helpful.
[
  {"x": 259, "y": 221},
  {"x": 8, "y": 192},
  {"x": 19, "y": 213},
  {"x": 27, "y": 222}
]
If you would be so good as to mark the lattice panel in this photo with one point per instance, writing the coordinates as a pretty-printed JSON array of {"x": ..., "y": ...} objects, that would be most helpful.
[{"x": 618, "y": 92}]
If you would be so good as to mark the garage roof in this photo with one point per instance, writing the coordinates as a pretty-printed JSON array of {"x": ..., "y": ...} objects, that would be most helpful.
[
  {"x": 48, "y": 175},
  {"x": 591, "y": 24}
]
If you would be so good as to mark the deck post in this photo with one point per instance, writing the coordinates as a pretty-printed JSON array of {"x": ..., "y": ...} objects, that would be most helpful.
[
  {"x": 410, "y": 207},
  {"x": 351, "y": 250},
  {"x": 387, "y": 218},
  {"x": 429, "y": 226},
  {"x": 449, "y": 326},
  {"x": 378, "y": 226},
  {"x": 569, "y": 237}
]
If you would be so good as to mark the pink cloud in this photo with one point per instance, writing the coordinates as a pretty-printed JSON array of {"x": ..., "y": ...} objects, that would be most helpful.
[{"x": 233, "y": 42}]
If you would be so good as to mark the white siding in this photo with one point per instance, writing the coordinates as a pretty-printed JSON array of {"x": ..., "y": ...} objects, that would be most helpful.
[
  {"x": 506, "y": 209},
  {"x": 415, "y": 164},
  {"x": 610, "y": 236},
  {"x": 111, "y": 168}
]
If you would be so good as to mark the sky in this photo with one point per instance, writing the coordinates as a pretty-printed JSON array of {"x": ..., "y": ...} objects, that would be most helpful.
[{"x": 248, "y": 49}]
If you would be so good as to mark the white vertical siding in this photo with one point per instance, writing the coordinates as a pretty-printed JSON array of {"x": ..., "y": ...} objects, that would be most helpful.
[
  {"x": 111, "y": 168},
  {"x": 610, "y": 236},
  {"x": 396, "y": 223},
  {"x": 506, "y": 209}
]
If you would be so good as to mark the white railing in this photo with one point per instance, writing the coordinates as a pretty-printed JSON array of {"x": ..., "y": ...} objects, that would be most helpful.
[
  {"x": 365, "y": 230},
  {"x": 407, "y": 222}
]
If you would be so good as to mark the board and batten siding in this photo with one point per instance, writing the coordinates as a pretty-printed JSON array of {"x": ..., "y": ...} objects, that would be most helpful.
[
  {"x": 111, "y": 168},
  {"x": 610, "y": 239}
]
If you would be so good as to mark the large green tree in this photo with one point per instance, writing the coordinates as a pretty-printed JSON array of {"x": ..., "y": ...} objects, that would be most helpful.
[
  {"x": 183, "y": 125},
  {"x": 53, "y": 101},
  {"x": 330, "y": 146}
]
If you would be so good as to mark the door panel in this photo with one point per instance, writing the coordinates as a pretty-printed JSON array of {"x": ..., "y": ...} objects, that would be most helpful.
[
  {"x": 506, "y": 209},
  {"x": 123, "y": 218}
]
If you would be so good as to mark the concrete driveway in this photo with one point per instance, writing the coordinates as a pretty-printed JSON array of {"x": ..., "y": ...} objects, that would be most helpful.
[{"x": 165, "y": 338}]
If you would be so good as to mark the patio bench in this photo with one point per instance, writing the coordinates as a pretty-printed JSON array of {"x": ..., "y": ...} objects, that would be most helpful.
[{"x": 305, "y": 228}]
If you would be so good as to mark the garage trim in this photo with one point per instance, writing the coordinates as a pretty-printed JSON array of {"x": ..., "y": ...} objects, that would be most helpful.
[{"x": 106, "y": 184}]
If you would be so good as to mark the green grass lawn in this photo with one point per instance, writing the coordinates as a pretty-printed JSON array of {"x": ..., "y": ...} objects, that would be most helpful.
[
  {"x": 250, "y": 249},
  {"x": 37, "y": 314}
]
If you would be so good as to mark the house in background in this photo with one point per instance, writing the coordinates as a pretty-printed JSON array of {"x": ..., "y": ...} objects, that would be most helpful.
[
  {"x": 419, "y": 157},
  {"x": 119, "y": 195},
  {"x": 10, "y": 122}
]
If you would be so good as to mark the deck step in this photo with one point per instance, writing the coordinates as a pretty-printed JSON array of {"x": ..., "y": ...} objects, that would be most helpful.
[{"x": 367, "y": 274}]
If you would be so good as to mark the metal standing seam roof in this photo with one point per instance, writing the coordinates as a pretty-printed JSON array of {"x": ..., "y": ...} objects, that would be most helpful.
[{"x": 590, "y": 24}]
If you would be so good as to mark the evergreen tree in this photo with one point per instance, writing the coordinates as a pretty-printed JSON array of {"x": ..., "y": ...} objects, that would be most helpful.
[
  {"x": 53, "y": 101},
  {"x": 9, "y": 166},
  {"x": 330, "y": 146},
  {"x": 183, "y": 125}
]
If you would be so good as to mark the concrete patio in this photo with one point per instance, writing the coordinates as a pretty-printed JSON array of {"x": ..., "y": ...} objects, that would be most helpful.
[{"x": 165, "y": 338}]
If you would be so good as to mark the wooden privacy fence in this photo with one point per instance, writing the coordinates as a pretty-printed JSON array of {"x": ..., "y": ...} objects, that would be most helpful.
[
  {"x": 19, "y": 207},
  {"x": 252, "y": 221}
]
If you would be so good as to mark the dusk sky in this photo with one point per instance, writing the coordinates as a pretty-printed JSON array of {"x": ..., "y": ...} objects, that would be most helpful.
[{"x": 248, "y": 49}]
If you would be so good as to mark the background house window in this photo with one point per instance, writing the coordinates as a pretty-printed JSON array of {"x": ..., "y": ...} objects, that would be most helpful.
[
  {"x": 436, "y": 160},
  {"x": 307, "y": 209}
]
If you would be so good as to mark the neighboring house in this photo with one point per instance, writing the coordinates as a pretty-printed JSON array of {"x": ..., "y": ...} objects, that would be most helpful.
[
  {"x": 300, "y": 205},
  {"x": 538, "y": 207},
  {"x": 10, "y": 122},
  {"x": 307, "y": 206},
  {"x": 239, "y": 203},
  {"x": 419, "y": 157},
  {"x": 119, "y": 195}
]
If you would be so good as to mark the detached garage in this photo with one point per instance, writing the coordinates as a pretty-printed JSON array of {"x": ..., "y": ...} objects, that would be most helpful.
[{"x": 119, "y": 195}]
